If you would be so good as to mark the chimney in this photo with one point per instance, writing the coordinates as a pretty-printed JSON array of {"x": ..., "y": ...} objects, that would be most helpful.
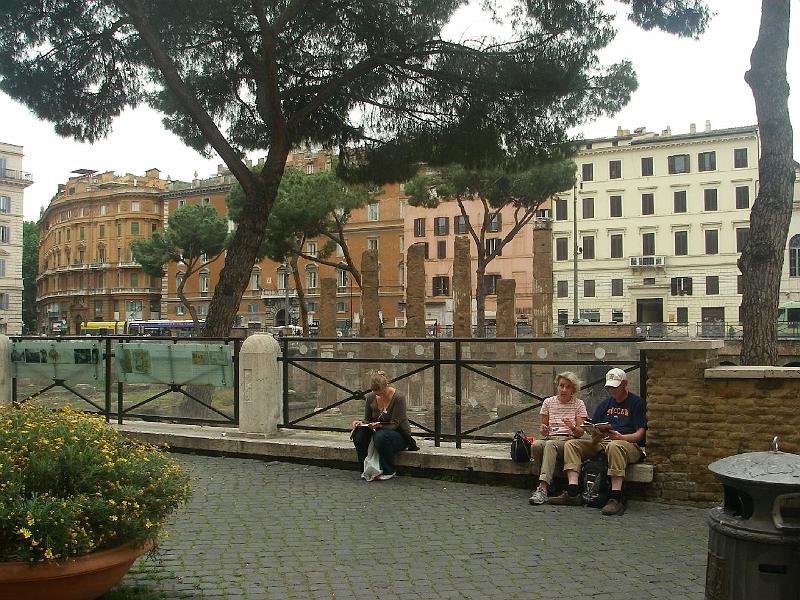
[
  {"x": 692, "y": 128},
  {"x": 708, "y": 125}
]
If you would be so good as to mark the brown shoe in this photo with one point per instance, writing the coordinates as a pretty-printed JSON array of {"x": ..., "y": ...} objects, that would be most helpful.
[
  {"x": 564, "y": 499},
  {"x": 613, "y": 507}
]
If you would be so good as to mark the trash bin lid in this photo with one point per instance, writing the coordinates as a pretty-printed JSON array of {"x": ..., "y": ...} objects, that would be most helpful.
[{"x": 781, "y": 468}]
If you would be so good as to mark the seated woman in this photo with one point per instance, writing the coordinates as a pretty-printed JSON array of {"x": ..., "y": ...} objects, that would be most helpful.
[
  {"x": 385, "y": 424},
  {"x": 561, "y": 418}
]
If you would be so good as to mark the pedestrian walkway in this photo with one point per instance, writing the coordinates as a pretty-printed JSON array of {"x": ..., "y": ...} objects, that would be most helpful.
[{"x": 262, "y": 530}]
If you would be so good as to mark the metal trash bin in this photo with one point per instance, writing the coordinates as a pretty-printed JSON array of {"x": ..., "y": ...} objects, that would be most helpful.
[{"x": 754, "y": 538}]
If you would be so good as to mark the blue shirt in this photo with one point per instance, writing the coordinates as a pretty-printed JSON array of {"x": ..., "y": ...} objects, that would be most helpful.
[{"x": 624, "y": 417}]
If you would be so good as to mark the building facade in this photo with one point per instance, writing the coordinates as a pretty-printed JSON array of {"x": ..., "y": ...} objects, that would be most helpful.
[
  {"x": 661, "y": 221},
  {"x": 86, "y": 268},
  {"x": 13, "y": 181}
]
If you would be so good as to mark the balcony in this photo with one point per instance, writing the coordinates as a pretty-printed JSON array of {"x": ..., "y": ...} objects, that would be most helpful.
[
  {"x": 270, "y": 294},
  {"x": 17, "y": 177},
  {"x": 649, "y": 261},
  {"x": 128, "y": 263}
]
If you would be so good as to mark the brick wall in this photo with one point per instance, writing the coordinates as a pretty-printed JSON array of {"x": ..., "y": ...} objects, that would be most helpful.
[{"x": 697, "y": 416}]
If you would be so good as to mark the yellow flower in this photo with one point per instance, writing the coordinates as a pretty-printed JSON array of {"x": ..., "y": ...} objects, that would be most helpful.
[
  {"x": 112, "y": 518},
  {"x": 29, "y": 520},
  {"x": 24, "y": 532},
  {"x": 48, "y": 554},
  {"x": 148, "y": 524}
]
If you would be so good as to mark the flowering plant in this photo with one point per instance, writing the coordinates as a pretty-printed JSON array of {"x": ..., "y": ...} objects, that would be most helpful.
[{"x": 70, "y": 485}]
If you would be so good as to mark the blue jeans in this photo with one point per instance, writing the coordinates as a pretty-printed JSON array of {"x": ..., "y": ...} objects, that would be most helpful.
[{"x": 387, "y": 443}]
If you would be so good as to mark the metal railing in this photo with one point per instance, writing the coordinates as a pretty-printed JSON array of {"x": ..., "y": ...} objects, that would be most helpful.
[
  {"x": 115, "y": 392},
  {"x": 462, "y": 356}
]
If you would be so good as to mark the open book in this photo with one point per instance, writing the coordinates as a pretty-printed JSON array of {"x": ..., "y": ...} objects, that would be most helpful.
[{"x": 590, "y": 428}]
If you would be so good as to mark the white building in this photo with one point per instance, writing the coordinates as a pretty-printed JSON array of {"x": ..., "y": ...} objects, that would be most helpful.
[
  {"x": 13, "y": 182},
  {"x": 661, "y": 222}
]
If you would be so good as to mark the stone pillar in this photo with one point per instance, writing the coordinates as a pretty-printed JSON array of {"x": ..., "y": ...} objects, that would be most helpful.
[
  {"x": 415, "y": 291},
  {"x": 506, "y": 328},
  {"x": 370, "y": 322},
  {"x": 261, "y": 385},
  {"x": 462, "y": 288},
  {"x": 5, "y": 369},
  {"x": 542, "y": 285},
  {"x": 327, "y": 307}
]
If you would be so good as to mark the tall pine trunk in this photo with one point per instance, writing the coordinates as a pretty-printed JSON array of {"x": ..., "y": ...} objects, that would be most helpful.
[{"x": 761, "y": 262}]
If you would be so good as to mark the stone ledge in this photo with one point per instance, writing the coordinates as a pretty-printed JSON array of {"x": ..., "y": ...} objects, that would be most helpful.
[
  {"x": 681, "y": 345},
  {"x": 753, "y": 372},
  {"x": 324, "y": 447}
]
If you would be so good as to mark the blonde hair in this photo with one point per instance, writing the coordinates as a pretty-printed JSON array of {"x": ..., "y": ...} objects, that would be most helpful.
[
  {"x": 378, "y": 381},
  {"x": 572, "y": 378}
]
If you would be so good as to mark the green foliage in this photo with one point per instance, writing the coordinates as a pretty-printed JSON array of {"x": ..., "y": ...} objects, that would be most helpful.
[
  {"x": 192, "y": 230},
  {"x": 70, "y": 484},
  {"x": 30, "y": 269}
]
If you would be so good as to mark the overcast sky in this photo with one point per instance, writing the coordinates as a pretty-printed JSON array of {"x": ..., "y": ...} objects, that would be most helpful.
[{"x": 680, "y": 82}]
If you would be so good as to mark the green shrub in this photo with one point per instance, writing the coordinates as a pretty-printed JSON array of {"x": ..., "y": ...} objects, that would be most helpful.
[{"x": 70, "y": 484}]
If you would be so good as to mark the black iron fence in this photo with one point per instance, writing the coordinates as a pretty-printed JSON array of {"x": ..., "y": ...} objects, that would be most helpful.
[
  {"x": 456, "y": 389},
  {"x": 180, "y": 380}
]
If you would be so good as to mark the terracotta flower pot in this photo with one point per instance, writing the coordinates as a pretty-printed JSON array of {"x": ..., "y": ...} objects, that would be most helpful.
[{"x": 82, "y": 578}]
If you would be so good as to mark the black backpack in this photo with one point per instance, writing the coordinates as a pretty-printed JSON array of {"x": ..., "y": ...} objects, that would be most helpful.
[
  {"x": 521, "y": 448},
  {"x": 593, "y": 484}
]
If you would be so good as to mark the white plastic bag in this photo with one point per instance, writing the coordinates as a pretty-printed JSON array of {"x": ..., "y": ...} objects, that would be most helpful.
[{"x": 372, "y": 464}]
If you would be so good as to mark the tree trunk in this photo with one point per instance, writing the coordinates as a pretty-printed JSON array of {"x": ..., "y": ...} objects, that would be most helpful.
[
  {"x": 301, "y": 295},
  {"x": 761, "y": 262}
]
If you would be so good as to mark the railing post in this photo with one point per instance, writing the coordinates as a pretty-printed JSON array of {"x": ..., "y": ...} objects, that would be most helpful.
[
  {"x": 108, "y": 379},
  {"x": 458, "y": 394},
  {"x": 285, "y": 377},
  {"x": 236, "y": 348},
  {"x": 119, "y": 403},
  {"x": 437, "y": 392}
]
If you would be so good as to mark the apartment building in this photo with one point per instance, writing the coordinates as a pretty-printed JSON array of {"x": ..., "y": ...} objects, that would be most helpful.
[
  {"x": 661, "y": 221},
  {"x": 86, "y": 269},
  {"x": 13, "y": 181}
]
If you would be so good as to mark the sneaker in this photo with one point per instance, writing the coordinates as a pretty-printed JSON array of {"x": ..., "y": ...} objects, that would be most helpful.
[
  {"x": 538, "y": 497},
  {"x": 385, "y": 477},
  {"x": 565, "y": 499},
  {"x": 613, "y": 507}
]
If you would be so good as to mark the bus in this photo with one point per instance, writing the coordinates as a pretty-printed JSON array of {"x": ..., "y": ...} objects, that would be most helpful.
[
  {"x": 95, "y": 328},
  {"x": 163, "y": 327}
]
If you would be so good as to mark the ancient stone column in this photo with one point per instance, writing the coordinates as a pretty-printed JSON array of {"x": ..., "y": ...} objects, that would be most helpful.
[
  {"x": 506, "y": 328},
  {"x": 415, "y": 291},
  {"x": 370, "y": 322},
  {"x": 542, "y": 310},
  {"x": 327, "y": 329},
  {"x": 462, "y": 288}
]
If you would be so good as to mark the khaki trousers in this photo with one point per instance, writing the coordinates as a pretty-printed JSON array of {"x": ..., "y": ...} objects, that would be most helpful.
[
  {"x": 545, "y": 454},
  {"x": 619, "y": 452}
]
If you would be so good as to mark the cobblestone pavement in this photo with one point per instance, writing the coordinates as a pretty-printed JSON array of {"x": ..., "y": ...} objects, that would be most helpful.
[{"x": 257, "y": 529}]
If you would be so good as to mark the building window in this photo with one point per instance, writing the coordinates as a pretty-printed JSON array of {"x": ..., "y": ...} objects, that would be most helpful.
[
  {"x": 134, "y": 228},
  {"x": 81, "y": 232},
  {"x": 712, "y": 285},
  {"x": 135, "y": 206},
  {"x": 740, "y": 158},
  {"x": 402, "y": 204},
  {"x": 683, "y": 314},
  {"x": 311, "y": 279},
  {"x": 616, "y": 245},
  {"x": 460, "y": 224},
  {"x": 707, "y": 161},
  {"x": 2, "y": 267},
  {"x": 710, "y": 199},
  {"x": 648, "y": 204},
  {"x": 648, "y": 244},
  {"x": 712, "y": 241},
  {"x": 678, "y": 163},
  {"x": 742, "y": 196},
  {"x": 491, "y": 284},
  {"x": 103, "y": 210},
  {"x": 311, "y": 249},
  {"x": 615, "y": 206},
  {"x": 419, "y": 227},
  {"x": 562, "y": 289},
  {"x": 401, "y": 239},
  {"x": 561, "y": 209},
  {"x": 4, "y": 301},
  {"x": 616, "y": 287},
  {"x": 616, "y": 315},
  {"x": 588, "y": 208},
  {"x": 372, "y": 243},
  {"x": 441, "y": 285},
  {"x": 134, "y": 280},
  {"x": 493, "y": 246},
  {"x": 681, "y": 243},
  {"x": 69, "y": 233},
  {"x": 203, "y": 282},
  {"x": 742, "y": 233},
  {"x": 614, "y": 169},
  {"x": 252, "y": 309},
  {"x": 794, "y": 256},
  {"x": 561, "y": 248},
  {"x": 5, "y": 234},
  {"x": 341, "y": 307},
  {"x": 339, "y": 250},
  {"x": 179, "y": 276},
  {"x": 647, "y": 166},
  {"x": 101, "y": 233},
  {"x": 119, "y": 229},
  {"x": 493, "y": 223},
  {"x": 588, "y": 288},
  {"x": 563, "y": 316},
  {"x": 590, "y": 314},
  {"x": 202, "y": 309},
  {"x": 679, "y": 201},
  {"x": 587, "y": 172},
  {"x": 372, "y": 212},
  {"x": 588, "y": 246},
  {"x": 441, "y": 249},
  {"x": 341, "y": 278},
  {"x": 681, "y": 286},
  {"x": 426, "y": 247},
  {"x": 441, "y": 226},
  {"x": 5, "y": 204},
  {"x": 255, "y": 279}
]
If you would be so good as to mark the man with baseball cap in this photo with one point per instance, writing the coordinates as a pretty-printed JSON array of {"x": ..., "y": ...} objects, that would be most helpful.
[{"x": 623, "y": 444}]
